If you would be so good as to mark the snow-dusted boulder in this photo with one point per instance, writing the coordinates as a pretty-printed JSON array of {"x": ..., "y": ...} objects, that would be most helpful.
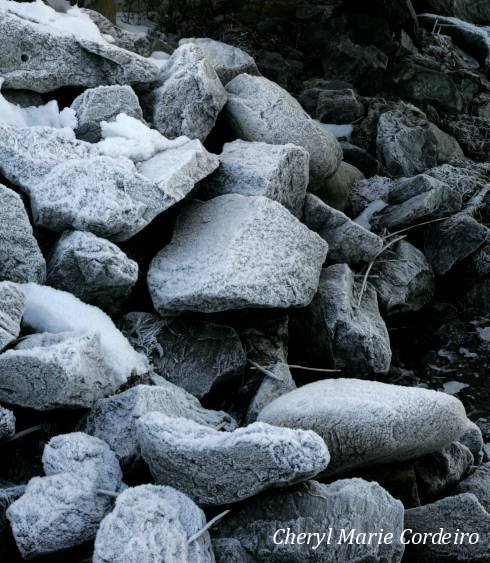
[
  {"x": 114, "y": 419},
  {"x": 12, "y": 303},
  {"x": 234, "y": 252},
  {"x": 232, "y": 466},
  {"x": 279, "y": 172},
  {"x": 7, "y": 423},
  {"x": 153, "y": 524},
  {"x": 8, "y": 494},
  {"x": 478, "y": 484},
  {"x": 259, "y": 110},
  {"x": 92, "y": 268},
  {"x": 367, "y": 422},
  {"x": 189, "y": 95}
]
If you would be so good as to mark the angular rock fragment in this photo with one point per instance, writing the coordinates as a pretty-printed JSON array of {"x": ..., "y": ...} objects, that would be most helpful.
[
  {"x": 367, "y": 422},
  {"x": 234, "y": 252},
  {"x": 478, "y": 484},
  {"x": 232, "y": 465},
  {"x": 259, "y": 110},
  {"x": 471, "y": 132},
  {"x": 332, "y": 106},
  {"x": 12, "y": 302},
  {"x": 335, "y": 190},
  {"x": 8, "y": 494},
  {"x": 153, "y": 524},
  {"x": 7, "y": 423},
  {"x": 279, "y": 172},
  {"x": 92, "y": 268},
  {"x": 465, "y": 177},
  {"x": 472, "y": 438}
]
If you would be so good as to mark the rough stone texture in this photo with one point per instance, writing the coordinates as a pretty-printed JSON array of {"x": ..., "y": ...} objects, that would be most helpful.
[
  {"x": 405, "y": 281},
  {"x": 332, "y": 106},
  {"x": 92, "y": 268},
  {"x": 472, "y": 438},
  {"x": 113, "y": 419},
  {"x": 259, "y": 110},
  {"x": 152, "y": 524},
  {"x": 232, "y": 465},
  {"x": 368, "y": 193},
  {"x": 312, "y": 508},
  {"x": 229, "y": 550},
  {"x": 12, "y": 302},
  {"x": 227, "y": 61},
  {"x": 8, "y": 494},
  {"x": 49, "y": 371},
  {"x": 459, "y": 513},
  {"x": 471, "y": 132},
  {"x": 367, "y": 422},
  {"x": 478, "y": 484},
  {"x": 189, "y": 96},
  {"x": 234, "y": 252},
  {"x": 20, "y": 257},
  {"x": 7, "y": 423},
  {"x": 347, "y": 241},
  {"x": 54, "y": 59},
  {"x": 335, "y": 190},
  {"x": 279, "y": 172},
  {"x": 103, "y": 104},
  {"x": 475, "y": 11},
  {"x": 465, "y": 177}
]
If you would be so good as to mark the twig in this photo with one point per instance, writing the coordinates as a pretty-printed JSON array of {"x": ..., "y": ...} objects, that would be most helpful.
[
  {"x": 414, "y": 226},
  {"x": 107, "y": 493},
  {"x": 314, "y": 369},
  {"x": 210, "y": 524},
  {"x": 21, "y": 434},
  {"x": 264, "y": 370}
]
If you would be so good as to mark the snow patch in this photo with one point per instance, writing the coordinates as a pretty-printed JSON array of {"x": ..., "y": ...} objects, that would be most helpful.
[
  {"x": 365, "y": 217},
  {"x": 340, "y": 131},
  {"x": 453, "y": 387}
]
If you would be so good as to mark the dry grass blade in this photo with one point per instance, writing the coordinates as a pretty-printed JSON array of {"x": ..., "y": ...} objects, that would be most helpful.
[
  {"x": 264, "y": 370},
  {"x": 210, "y": 524}
]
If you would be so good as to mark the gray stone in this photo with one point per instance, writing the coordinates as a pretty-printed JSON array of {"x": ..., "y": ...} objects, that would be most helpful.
[
  {"x": 92, "y": 268},
  {"x": 153, "y": 524},
  {"x": 478, "y": 484},
  {"x": 368, "y": 422},
  {"x": 103, "y": 104},
  {"x": 43, "y": 58},
  {"x": 335, "y": 190},
  {"x": 259, "y": 110},
  {"x": 279, "y": 172},
  {"x": 348, "y": 242},
  {"x": 189, "y": 95},
  {"x": 7, "y": 423},
  {"x": 8, "y": 494},
  {"x": 471, "y": 132},
  {"x": 472, "y": 438},
  {"x": 20, "y": 256},
  {"x": 461, "y": 513},
  {"x": 234, "y": 252},
  {"x": 351, "y": 504},
  {"x": 113, "y": 419},
  {"x": 465, "y": 177},
  {"x": 333, "y": 106},
  {"x": 227, "y": 61},
  {"x": 232, "y": 466},
  {"x": 12, "y": 302},
  {"x": 230, "y": 550},
  {"x": 475, "y": 11},
  {"x": 369, "y": 196}
]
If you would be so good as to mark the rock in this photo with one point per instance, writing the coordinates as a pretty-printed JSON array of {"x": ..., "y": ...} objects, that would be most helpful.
[
  {"x": 153, "y": 524},
  {"x": 47, "y": 56},
  {"x": 314, "y": 508},
  {"x": 189, "y": 95},
  {"x": 465, "y": 177},
  {"x": 472, "y": 134},
  {"x": 279, "y": 172},
  {"x": 103, "y": 104},
  {"x": 20, "y": 257},
  {"x": 7, "y": 423},
  {"x": 338, "y": 106},
  {"x": 369, "y": 197},
  {"x": 12, "y": 303},
  {"x": 367, "y": 422},
  {"x": 51, "y": 371},
  {"x": 227, "y": 61},
  {"x": 113, "y": 419},
  {"x": 472, "y": 438},
  {"x": 232, "y": 465},
  {"x": 283, "y": 71},
  {"x": 453, "y": 515},
  {"x": 347, "y": 241},
  {"x": 334, "y": 329},
  {"x": 365, "y": 164},
  {"x": 475, "y": 12},
  {"x": 8, "y": 494},
  {"x": 92, "y": 268},
  {"x": 478, "y": 484},
  {"x": 405, "y": 281},
  {"x": 259, "y": 110},
  {"x": 279, "y": 258},
  {"x": 335, "y": 190},
  {"x": 229, "y": 550}
]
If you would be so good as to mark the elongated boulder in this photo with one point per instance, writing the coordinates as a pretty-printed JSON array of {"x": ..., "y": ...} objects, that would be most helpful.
[
  {"x": 259, "y": 110},
  {"x": 234, "y": 252},
  {"x": 367, "y": 422},
  {"x": 12, "y": 302},
  {"x": 232, "y": 465}
]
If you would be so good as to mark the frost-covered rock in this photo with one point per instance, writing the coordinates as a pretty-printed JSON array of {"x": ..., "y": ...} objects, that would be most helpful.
[
  {"x": 227, "y": 61},
  {"x": 189, "y": 95},
  {"x": 8, "y": 494},
  {"x": 100, "y": 104},
  {"x": 472, "y": 438},
  {"x": 232, "y": 465},
  {"x": 348, "y": 241},
  {"x": 234, "y": 252},
  {"x": 20, "y": 257},
  {"x": 314, "y": 508},
  {"x": 50, "y": 50},
  {"x": 478, "y": 484},
  {"x": 367, "y": 422},
  {"x": 153, "y": 524},
  {"x": 279, "y": 172},
  {"x": 7, "y": 423},
  {"x": 113, "y": 419},
  {"x": 259, "y": 110},
  {"x": 92, "y": 268},
  {"x": 12, "y": 303},
  {"x": 336, "y": 189}
]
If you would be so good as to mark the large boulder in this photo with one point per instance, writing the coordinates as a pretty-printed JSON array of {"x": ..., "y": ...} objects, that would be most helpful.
[
  {"x": 12, "y": 302},
  {"x": 367, "y": 422},
  {"x": 234, "y": 252}
]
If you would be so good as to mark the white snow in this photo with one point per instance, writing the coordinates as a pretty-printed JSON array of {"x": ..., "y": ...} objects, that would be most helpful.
[
  {"x": 453, "y": 387},
  {"x": 339, "y": 131},
  {"x": 52, "y": 310},
  {"x": 160, "y": 58},
  {"x": 365, "y": 217}
]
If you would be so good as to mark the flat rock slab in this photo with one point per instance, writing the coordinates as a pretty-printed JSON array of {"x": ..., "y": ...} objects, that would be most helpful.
[
  {"x": 234, "y": 252},
  {"x": 232, "y": 465},
  {"x": 153, "y": 524},
  {"x": 367, "y": 422},
  {"x": 12, "y": 303}
]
